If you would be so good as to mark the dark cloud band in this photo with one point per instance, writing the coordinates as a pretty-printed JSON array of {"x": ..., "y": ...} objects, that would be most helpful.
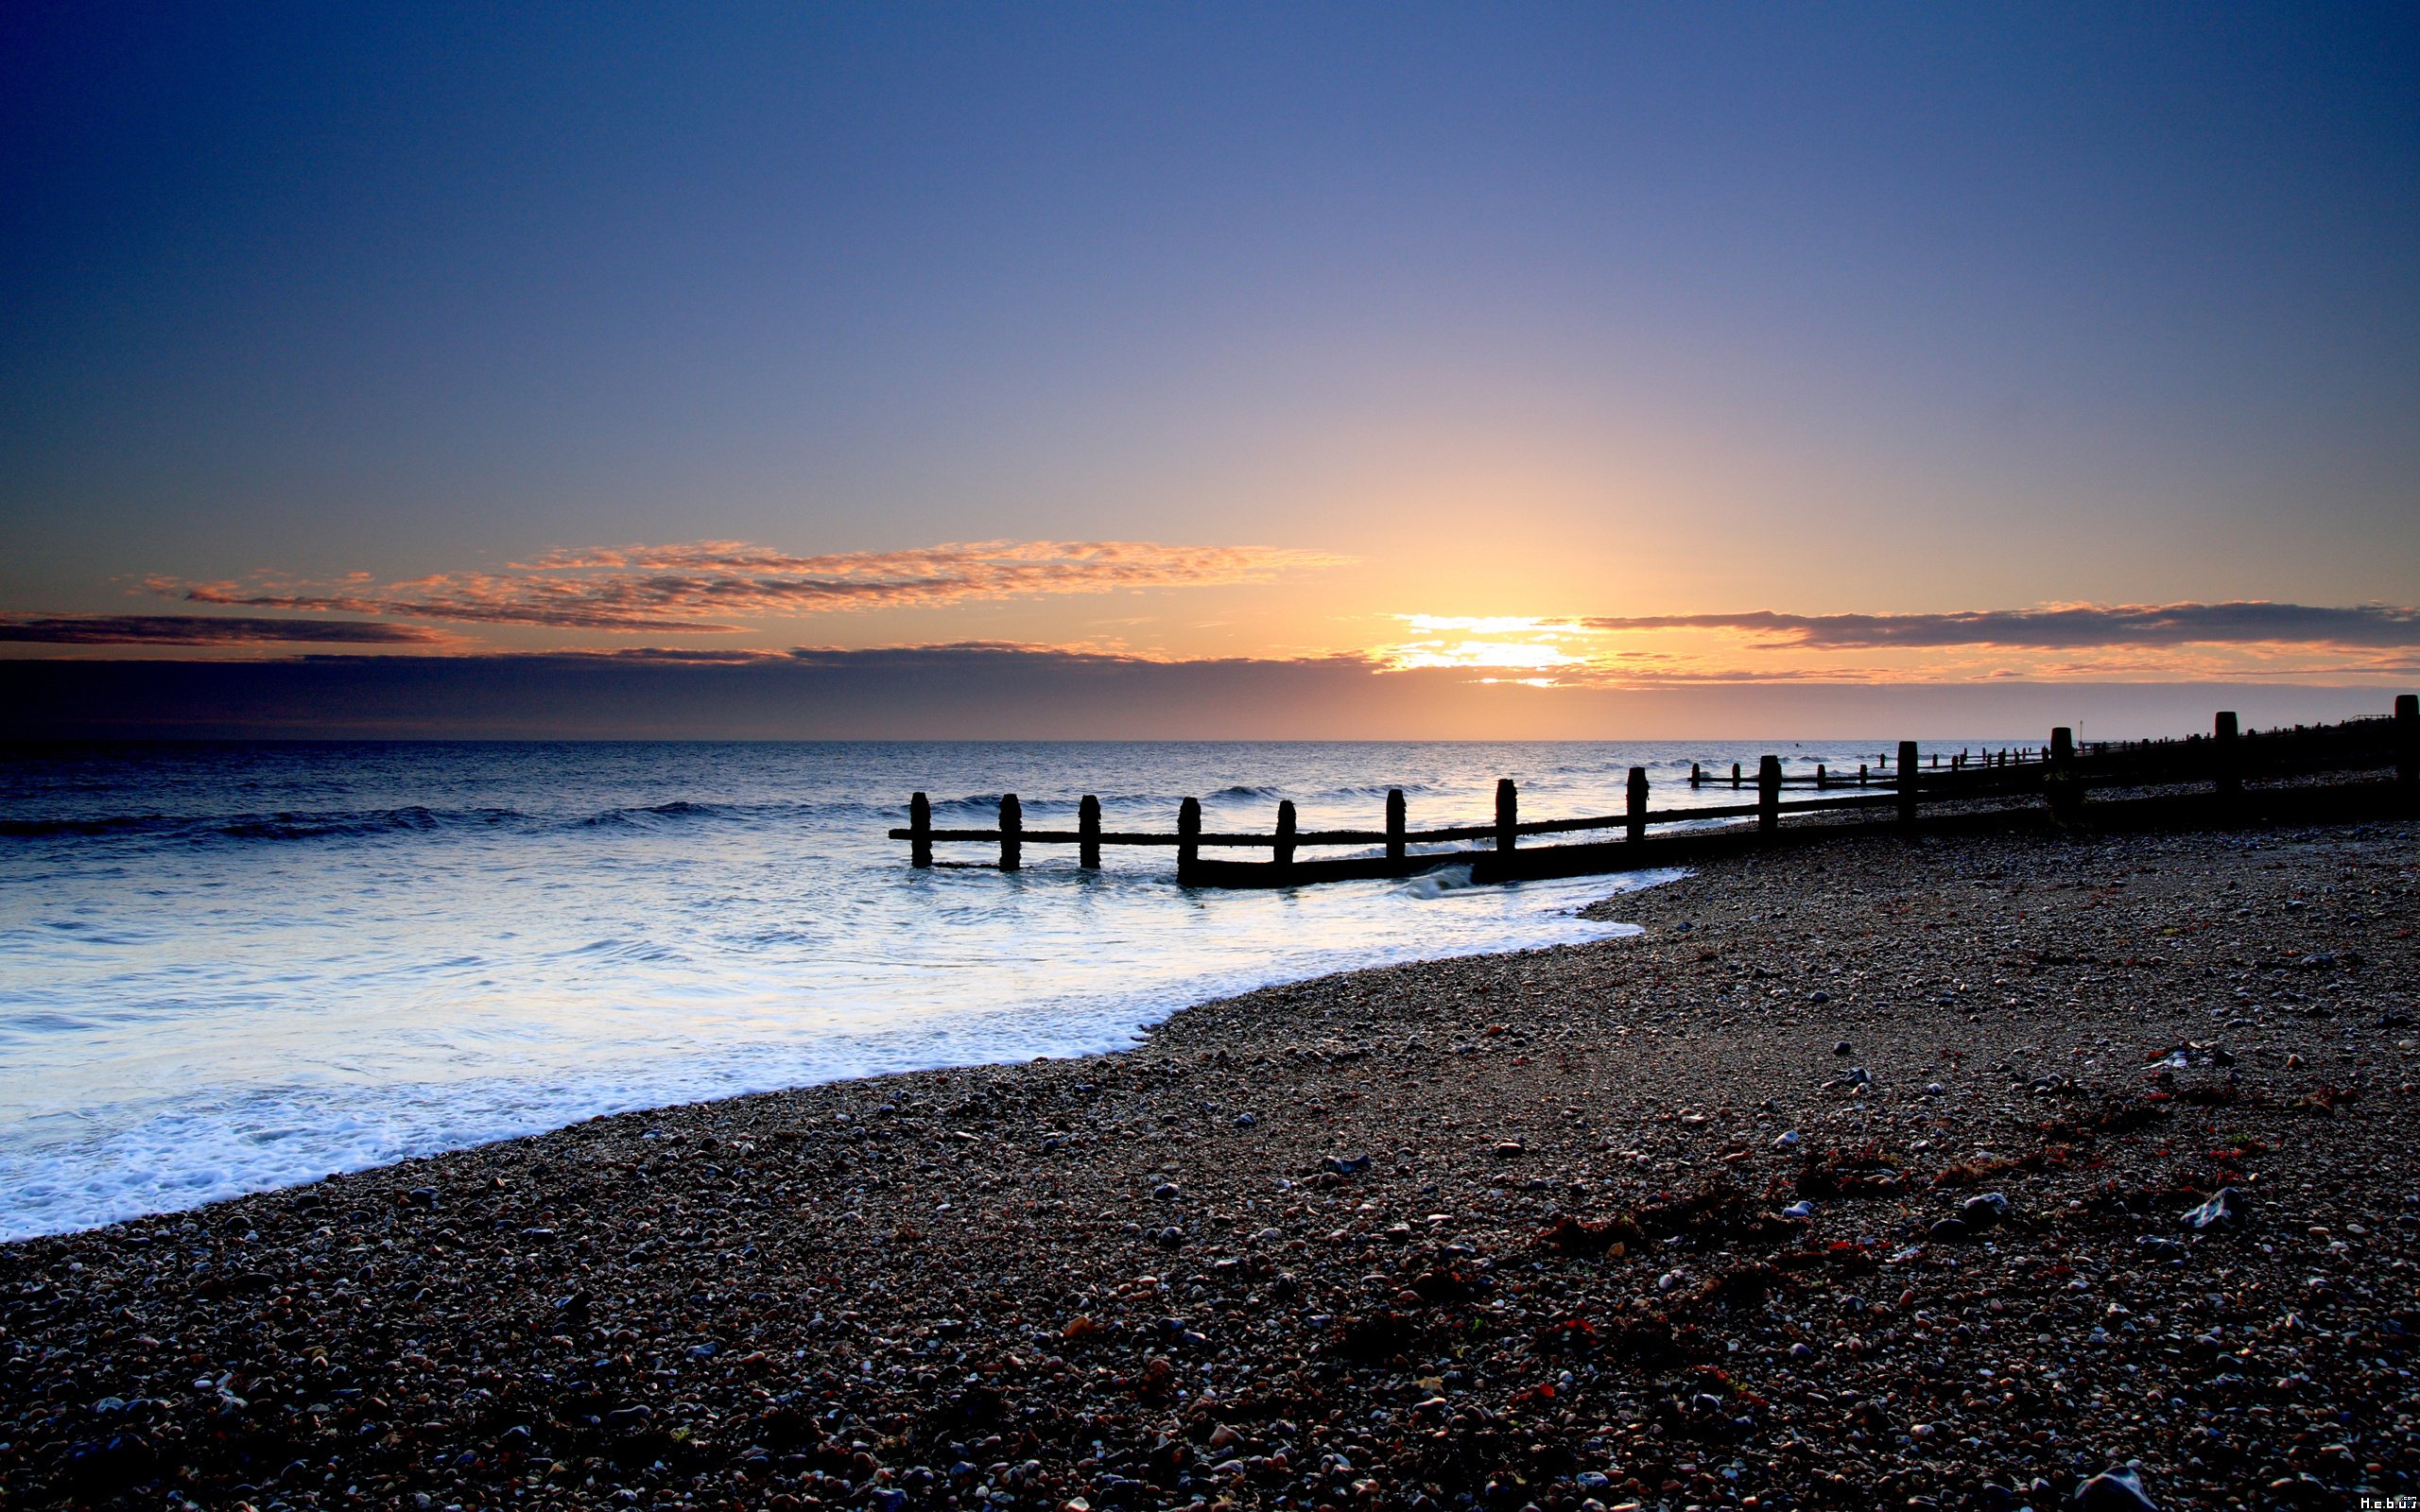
[
  {"x": 207, "y": 630},
  {"x": 2248, "y": 623}
]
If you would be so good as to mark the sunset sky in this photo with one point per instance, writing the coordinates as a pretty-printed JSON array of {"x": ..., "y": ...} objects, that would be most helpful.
[{"x": 1163, "y": 369}]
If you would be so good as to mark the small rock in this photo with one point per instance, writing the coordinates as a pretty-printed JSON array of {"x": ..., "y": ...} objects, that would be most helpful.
[
  {"x": 2224, "y": 1210},
  {"x": 1842, "y": 1048},
  {"x": 1984, "y": 1211},
  {"x": 2116, "y": 1489}
]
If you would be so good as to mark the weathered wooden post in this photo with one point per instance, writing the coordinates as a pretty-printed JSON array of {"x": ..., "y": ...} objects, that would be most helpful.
[
  {"x": 1909, "y": 760},
  {"x": 2062, "y": 784},
  {"x": 2407, "y": 740},
  {"x": 1507, "y": 813},
  {"x": 1188, "y": 838},
  {"x": 1735, "y": 774},
  {"x": 920, "y": 830},
  {"x": 1012, "y": 832},
  {"x": 1860, "y": 774},
  {"x": 1088, "y": 832},
  {"x": 1285, "y": 834},
  {"x": 1820, "y": 779},
  {"x": 1635, "y": 815},
  {"x": 2224, "y": 753},
  {"x": 1697, "y": 776},
  {"x": 1394, "y": 824},
  {"x": 1767, "y": 794}
]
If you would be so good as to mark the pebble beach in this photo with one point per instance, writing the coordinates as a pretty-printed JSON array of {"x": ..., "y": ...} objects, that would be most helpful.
[{"x": 2032, "y": 1170}]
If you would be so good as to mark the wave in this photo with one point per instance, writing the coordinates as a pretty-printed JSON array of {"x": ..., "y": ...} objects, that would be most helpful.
[
  {"x": 654, "y": 817},
  {"x": 283, "y": 825},
  {"x": 982, "y": 805},
  {"x": 289, "y": 825},
  {"x": 94, "y": 828}
]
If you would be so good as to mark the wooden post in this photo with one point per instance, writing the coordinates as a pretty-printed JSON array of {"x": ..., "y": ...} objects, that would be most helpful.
[
  {"x": 1909, "y": 760},
  {"x": 1819, "y": 777},
  {"x": 1507, "y": 813},
  {"x": 2407, "y": 740},
  {"x": 1860, "y": 774},
  {"x": 1188, "y": 837},
  {"x": 2224, "y": 753},
  {"x": 1285, "y": 834},
  {"x": 1088, "y": 832},
  {"x": 920, "y": 830},
  {"x": 1735, "y": 774},
  {"x": 2062, "y": 784},
  {"x": 1634, "y": 816},
  {"x": 1697, "y": 775},
  {"x": 1394, "y": 824},
  {"x": 1012, "y": 832},
  {"x": 1767, "y": 794}
]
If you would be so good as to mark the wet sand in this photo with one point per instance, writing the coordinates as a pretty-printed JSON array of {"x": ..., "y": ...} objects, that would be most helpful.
[{"x": 1862, "y": 1177}]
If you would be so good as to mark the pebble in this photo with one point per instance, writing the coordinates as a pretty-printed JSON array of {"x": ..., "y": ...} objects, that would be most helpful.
[{"x": 2118, "y": 1490}]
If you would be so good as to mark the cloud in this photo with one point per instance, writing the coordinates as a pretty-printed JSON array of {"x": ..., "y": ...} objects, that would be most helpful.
[
  {"x": 701, "y": 587},
  {"x": 206, "y": 630},
  {"x": 2060, "y": 626}
]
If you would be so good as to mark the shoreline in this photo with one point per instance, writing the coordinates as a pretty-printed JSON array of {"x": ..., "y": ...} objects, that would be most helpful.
[
  {"x": 1486, "y": 1231},
  {"x": 1066, "y": 1026}
]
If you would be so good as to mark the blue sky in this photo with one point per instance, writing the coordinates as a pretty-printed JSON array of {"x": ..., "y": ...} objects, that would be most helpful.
[{"x": 1517, "y": 313}]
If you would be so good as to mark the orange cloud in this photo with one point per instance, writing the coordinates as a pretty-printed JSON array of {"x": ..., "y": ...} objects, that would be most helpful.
[{"x": 701, "y": 587}]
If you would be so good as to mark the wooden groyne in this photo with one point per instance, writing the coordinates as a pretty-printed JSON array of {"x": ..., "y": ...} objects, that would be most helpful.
[{"x": 2229, "y": 775}]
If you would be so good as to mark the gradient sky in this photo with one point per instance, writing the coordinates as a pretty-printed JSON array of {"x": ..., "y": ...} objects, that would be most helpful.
[{"x": 1616, "y": 347}]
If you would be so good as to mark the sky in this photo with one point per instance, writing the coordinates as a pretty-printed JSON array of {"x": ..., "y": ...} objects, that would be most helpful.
[{"x": 1308, "y": 369}]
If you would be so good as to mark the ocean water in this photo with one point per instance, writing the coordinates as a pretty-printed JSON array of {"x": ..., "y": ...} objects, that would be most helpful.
[{"x": 229, "y": 968}]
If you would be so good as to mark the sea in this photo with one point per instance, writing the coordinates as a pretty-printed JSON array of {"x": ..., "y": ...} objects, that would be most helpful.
[{"x": 227, "y": 967}]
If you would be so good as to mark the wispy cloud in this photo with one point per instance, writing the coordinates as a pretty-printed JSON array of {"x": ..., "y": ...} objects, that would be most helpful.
[
  {"x": 207, "y": 630},
  {"x": 704, "y": 587},
  {"x": 2060, "y": 626}
]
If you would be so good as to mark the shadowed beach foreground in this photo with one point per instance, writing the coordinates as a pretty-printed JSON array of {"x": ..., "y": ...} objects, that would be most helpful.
[{"x": 1860, "y": 1179}]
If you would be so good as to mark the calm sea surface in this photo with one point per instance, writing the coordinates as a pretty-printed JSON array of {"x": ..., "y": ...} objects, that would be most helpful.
[{"x": 224, "y": 967}]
